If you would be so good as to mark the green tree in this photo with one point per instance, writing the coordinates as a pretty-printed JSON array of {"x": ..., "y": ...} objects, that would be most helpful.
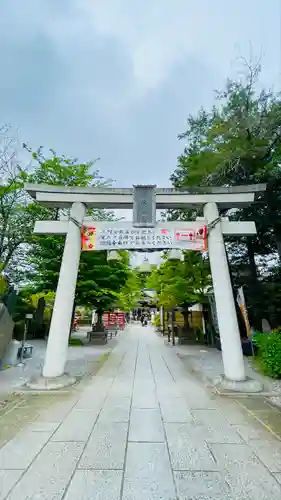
[
  {"x": 239, "y": 142},
  {"x": 98, "y": 281},
  {"x": 181, "y": 283},
  {"x": 45, "y": 250},
  {"x": 16, "y": 222},
  {"x": 60, "y": 170},
  {"x": 129, "y": 294}
]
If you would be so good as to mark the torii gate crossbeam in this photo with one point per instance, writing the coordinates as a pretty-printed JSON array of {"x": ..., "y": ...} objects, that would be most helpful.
[{"x": 211, "y": 200}]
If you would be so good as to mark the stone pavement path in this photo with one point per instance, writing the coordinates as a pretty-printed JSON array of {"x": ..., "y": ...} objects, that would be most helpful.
[{"x": 142, "y": 430}]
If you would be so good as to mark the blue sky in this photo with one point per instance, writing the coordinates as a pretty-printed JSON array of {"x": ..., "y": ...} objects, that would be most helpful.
[{"x": 117, "y": 79}]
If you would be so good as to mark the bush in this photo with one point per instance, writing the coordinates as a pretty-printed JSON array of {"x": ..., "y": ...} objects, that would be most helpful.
[
  {"x": 84, "y": 321},
  {"x": 157, "y": 321},
  {"x": 18, "y": 330},
  {"x": 36, "y": 330},
  {"x": 269, "y": 352}
]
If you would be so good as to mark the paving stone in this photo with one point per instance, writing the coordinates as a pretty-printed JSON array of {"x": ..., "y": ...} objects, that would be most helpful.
[
  {"x": 271, "y": 418},
  {"x": 101, "y": 386},
  {"x": 253, "y": 483},
  {"x": 257, "y": 403},
  {"x": 148, "y": 473},
  {"x": 116, "y": 410},
  {"x": 215, "y": 427},
  {"x": 146, "y": 425},
  {"x": 161, "y": 372},
  {"x": 277, "y": 476},
  {"x": 245, "y": 473},
  {"x": 175, "y": 410},
  {"x": 204, "y": 468},
  {"x": 269, "y": 452},
  {"x": 210, "y": 417},
  {"x": 90, "y": 402},
  {"x": 234, "y": 455},
  {"x": 39, "y": 426},
  {"x": 50, "y": 473},
  {"x": 202, "y": 486},
  {"x": 57, "y": 413},
  {"x": 187, "y": 451},
  {"x": 15, "y": 421},
  {"x": 144, "y": 399},
  {"x": 121, "y": 389},
  {"x": 144, "y": 383},
  {"x": 254, "y": 431},
  {"x": 234, "y": 412},
  {"x": 196, "y": 398},
  {"x": 76, "y": 426},
  {"x": 144, "y": 394},
  {"x": 167, "y": 391},
  {"x": 95, "y": 485},
  {"x": 110, "y": 370},
  {"x": 199, "y": 402},
  {"x": 106, "y": 447},
  {"x": 8, "y": 479},
  {"x": 22, "y": 449}
]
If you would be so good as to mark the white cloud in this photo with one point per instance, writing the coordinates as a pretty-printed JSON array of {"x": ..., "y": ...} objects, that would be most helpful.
[
  {"x": 157, "y": 34},
  {"x": 117, "y": 78}
]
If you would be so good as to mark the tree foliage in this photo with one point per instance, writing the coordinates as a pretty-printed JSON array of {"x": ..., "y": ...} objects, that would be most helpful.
[
  {"x": 238, "y": 142},
  {"x": 269, "y": 353},
  {"x": 16, "y": 222},
  {"x": 181, "y": 283},
  {"x": 98, "y": 281},
  {"x": 129, "y": 294}
]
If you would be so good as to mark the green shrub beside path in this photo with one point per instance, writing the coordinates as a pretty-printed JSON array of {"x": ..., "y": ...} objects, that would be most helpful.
[{"x": 269, "y": 353}]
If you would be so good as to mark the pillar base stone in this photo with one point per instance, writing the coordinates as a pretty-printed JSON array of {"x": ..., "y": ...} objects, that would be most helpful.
[
  {"x": 50, "y": 383},
  {"x": 247, "y": 386}
]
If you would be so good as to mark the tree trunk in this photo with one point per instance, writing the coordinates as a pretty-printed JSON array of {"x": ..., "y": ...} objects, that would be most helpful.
[
  {"x": 99, "y": 326},
  {"x": 251, "y": 256},
  {"x": 186, "y": 321},
  {"x": 72, "y": 320},
  {"x": 255, "y": 284},
  {"x": 278, "y": 242}
]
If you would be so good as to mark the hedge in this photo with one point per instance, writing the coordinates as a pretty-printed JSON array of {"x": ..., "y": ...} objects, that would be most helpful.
[{"x": 269, "y": 352}]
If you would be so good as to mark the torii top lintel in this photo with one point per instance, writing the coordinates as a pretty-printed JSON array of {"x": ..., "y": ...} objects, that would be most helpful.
[{"x": 114, "y": 198}]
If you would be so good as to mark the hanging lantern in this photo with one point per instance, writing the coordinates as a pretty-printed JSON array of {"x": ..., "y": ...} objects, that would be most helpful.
[
  {"x": 113, "y": 256},
  {"x": 175, "y": 254},
  {"x": 145, "y": 266}
]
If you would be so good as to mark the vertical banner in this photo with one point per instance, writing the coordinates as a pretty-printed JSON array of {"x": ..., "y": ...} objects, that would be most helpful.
[
  {"x": 242, "y": 305},
  {"x": 88, "y": 238}
]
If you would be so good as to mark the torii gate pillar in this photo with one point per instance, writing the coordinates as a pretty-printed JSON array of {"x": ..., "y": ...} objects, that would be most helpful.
[
  {"x": 77, "y": 199},
  {"x": 53, "y": 376},
  {"x": 232, "y": 355}
]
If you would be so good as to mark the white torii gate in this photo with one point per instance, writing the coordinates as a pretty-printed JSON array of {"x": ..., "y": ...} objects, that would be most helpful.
[{"x": 81, "y": 199}]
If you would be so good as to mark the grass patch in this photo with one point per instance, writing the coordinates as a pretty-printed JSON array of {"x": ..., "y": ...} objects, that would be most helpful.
[
  {"x": 5, "y": 367},
  {"x": 76, "y": 342}
]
